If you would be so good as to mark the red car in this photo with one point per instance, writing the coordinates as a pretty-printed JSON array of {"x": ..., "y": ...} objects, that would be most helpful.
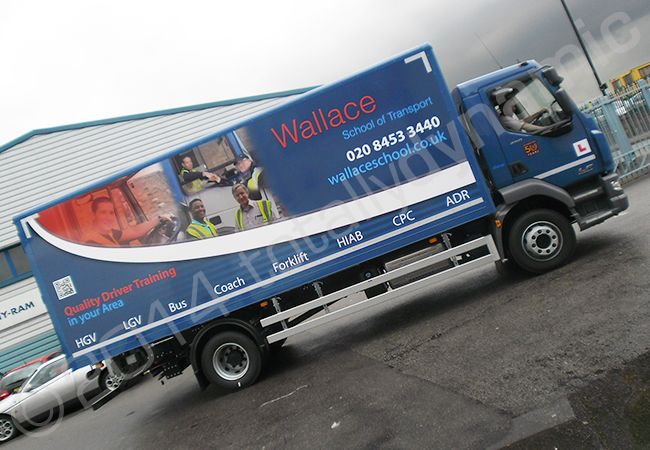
[{"x": 15, "y": 378}]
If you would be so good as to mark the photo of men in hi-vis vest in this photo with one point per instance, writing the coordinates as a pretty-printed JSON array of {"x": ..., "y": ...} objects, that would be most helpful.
[{"x": 224, "y": 189}]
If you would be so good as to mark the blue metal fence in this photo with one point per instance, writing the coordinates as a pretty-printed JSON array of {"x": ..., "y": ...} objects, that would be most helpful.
[{"x": 624, "y": 118}]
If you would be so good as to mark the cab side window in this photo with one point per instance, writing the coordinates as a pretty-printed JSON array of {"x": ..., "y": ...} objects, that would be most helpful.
[{"x": 527, "y": 106}]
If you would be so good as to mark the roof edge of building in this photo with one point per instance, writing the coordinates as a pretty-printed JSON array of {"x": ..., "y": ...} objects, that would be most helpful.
[{"x": 163, "y": 112}]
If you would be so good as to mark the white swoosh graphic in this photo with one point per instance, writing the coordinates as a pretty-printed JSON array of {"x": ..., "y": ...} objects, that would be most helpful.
[{"x": 336, "y": 216}]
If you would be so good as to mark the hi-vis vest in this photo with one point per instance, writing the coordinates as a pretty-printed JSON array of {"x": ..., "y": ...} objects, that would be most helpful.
[
  {"x": 196, "y": 185},
  {"x": 253, "y": 183},
  {"x": 199, "y": 232},
  {"x": 265, "y": 209}
]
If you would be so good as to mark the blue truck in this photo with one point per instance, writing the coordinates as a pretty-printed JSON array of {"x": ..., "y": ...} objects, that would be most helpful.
[{"x": 213, "y": 254}]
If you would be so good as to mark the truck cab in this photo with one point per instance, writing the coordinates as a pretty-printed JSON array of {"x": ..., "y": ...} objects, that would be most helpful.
[{"x": 538, "y": 151}]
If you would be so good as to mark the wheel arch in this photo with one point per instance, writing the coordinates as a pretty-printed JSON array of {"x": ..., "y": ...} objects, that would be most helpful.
[
  {"x": 533, "y": 188},
  {"x": 527, "y": 195}
]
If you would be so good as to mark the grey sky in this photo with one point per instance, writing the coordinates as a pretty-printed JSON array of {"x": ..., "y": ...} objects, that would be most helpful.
[{"x": 74, "y": 61}]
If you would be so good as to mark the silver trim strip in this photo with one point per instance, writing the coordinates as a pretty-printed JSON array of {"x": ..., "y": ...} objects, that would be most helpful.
[
  {"x": 565, "y": 167},
  {"x": 296, "y": 311},
  {"x": 363, "y": 304}
]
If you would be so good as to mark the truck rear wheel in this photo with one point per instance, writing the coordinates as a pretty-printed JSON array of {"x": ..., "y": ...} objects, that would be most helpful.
[
  {"x": 541, "y": 240},
  {"x": 232, "y": 360}
]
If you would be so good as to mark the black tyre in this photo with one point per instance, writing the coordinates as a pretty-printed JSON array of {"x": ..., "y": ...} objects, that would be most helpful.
[
  {"x": 8, "y": 428},
  {"x": 109, "y": 381},
  {"x": 541, "y": 240},
  {"x": 231, "y": 360}
]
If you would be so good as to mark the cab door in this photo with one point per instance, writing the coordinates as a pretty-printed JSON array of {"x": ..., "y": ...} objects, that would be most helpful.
[{"x": 551, "y": 144}]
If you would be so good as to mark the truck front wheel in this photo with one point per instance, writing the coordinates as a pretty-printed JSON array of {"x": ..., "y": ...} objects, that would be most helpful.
[
  {"x": 231, "y": 360},
  {"x": 541, "y": 240}
]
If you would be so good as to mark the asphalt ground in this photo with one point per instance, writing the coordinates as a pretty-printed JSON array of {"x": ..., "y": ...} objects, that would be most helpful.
[
  {"x": 612, "y": 412},
  {"x": 480, "y": 361}
]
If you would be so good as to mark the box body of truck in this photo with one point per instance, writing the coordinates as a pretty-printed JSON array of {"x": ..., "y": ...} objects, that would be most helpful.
[{"x": 334, "y": 179}]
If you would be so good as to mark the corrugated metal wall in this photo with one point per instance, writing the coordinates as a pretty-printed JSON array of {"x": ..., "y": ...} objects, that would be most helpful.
[
  {"x": 48, "y": 166},
  {"x": 28, "y": 350}
]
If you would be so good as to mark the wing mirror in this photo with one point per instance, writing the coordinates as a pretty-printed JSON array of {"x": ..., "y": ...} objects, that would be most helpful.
[
  {"x": 564, "y": 101},
  {"x": 552, "y": 76}
]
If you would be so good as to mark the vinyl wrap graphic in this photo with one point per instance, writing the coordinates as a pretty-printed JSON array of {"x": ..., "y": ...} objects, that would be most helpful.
[{"x": 351, "y": 171}]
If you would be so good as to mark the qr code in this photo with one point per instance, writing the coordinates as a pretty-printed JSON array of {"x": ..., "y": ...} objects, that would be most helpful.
[{"x": 64, "y": 287}]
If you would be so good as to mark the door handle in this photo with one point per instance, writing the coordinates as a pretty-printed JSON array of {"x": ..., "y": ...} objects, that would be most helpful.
[{"x": 518, "y": 168}]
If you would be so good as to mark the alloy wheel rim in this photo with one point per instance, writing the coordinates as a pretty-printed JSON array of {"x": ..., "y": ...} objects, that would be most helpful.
[
  {"x": 6, "y": 429},
  {"x": 113, "y": 382},
  {"x": 542, "y": 241},
  {"x": 230, "y": 361}
]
